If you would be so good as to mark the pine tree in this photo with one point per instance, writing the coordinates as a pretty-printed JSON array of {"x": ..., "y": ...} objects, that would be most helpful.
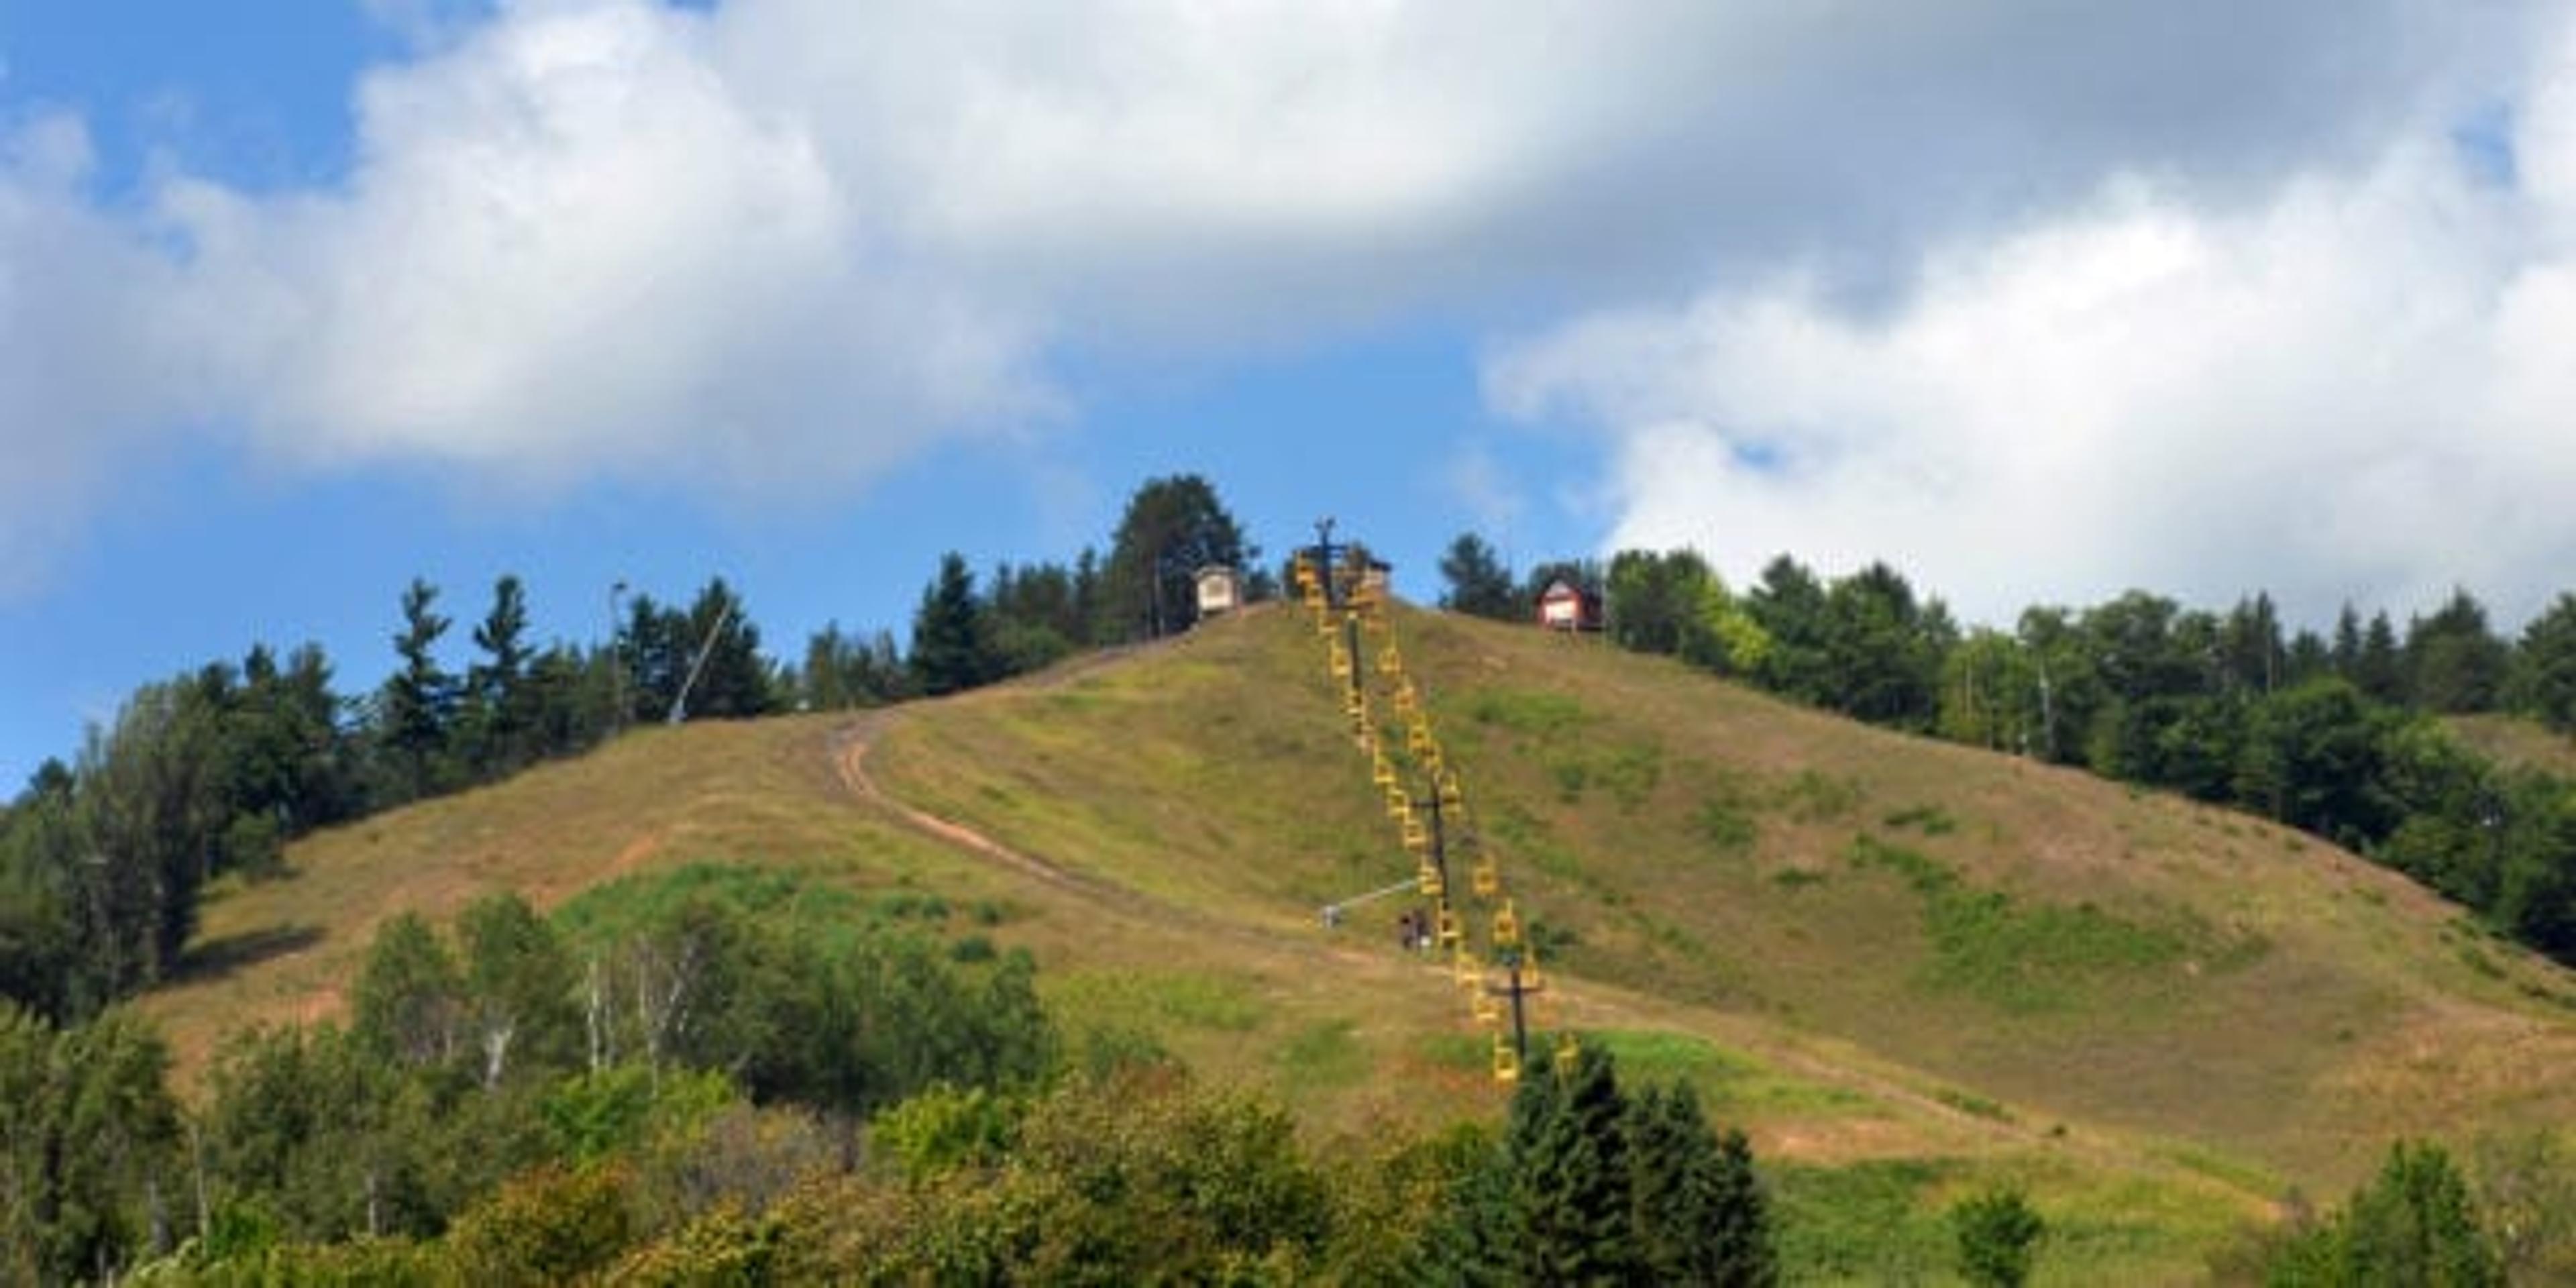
[
  {"x": 495, "y": 688},
  {"x": 2545, "y": 666},
  {"x": 1700, "y": 1214},
  {"x": 734, "y": 681},
  {"x": 417, "y": 709},
  {"x": 2380, "y": 671},
  {"x": 2454, "y": 663},
  {"x": 951, "y": 637},
  {"x": 1469, "y": 1241},
  {"x": 1566, "y": 1161},
  {"x": 2347, "y": 643}
]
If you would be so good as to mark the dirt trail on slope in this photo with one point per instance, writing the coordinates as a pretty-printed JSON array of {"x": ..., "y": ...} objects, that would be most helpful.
[{"x": 849, "y": 759}]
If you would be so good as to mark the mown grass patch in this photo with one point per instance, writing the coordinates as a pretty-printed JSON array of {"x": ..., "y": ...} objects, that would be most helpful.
[
  {"x": 1657, "y": 1053},
  {"x": 1529, "y": 712},
  {"x": 1156, "y": 1000},
  {"x": 622, "y": 907},
  {"x": 1869, "y": 1222},
  {"x": 1326, "y": 1053},
  {"x": 2017, "y": 955},
  {"x": 1455, "y": 1049}
]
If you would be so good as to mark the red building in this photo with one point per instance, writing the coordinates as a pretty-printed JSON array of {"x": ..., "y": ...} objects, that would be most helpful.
[{"x": 1564, "y": 606}]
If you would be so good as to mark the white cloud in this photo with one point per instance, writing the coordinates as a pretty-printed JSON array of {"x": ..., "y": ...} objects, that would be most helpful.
[
  {"x": 2359, "y": 387},
  {"x": 567, "y": 249},
  {"x": 775, "y": 247}
]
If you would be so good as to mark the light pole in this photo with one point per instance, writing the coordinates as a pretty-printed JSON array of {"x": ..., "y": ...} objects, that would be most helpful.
[{"x": 616, "y": 662}]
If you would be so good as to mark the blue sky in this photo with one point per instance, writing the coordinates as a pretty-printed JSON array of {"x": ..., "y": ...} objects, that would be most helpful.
[{"x": 298, "y": 301}]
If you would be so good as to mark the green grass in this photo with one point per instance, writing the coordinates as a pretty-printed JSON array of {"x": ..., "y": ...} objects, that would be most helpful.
[
  {"x": 2015, "y": 954},
  {"x": 1930, "y": 820},
  {"x": 1533, "y": 713},
  {"x": 1326, "y": 1053},
  {"x": 1159, "y": 1000},
  {"x": 1870, "y": 1222}
]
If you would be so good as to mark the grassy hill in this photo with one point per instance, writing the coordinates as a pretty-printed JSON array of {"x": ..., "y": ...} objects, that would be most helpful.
[{"x": 1905, "y": 966}]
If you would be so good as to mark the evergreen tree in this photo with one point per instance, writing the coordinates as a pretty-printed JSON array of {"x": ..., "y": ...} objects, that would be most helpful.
[
  {"x": 288, "y": 760},
  {"x": 842, "y": 671},
  {"x": 417, "y": 708},
  {"x": 1566, "y": 1162},
  {"x": 496, "y": 687},
  {"x": 2545, "y": 666},
  {"x": 2454, "y": 663},
  {"x": 2380, "y": 670},
  {"x": 1789, "y": 604},
  {"x": 87, "y": 1148},
  {"x": 1032, "y": 618},
  {"x": 1735, "y": 1244},
  {"x": 2307, "y": 659},
  {"x": 951, "y": 636},
  {"x": 1700, "y": 1213},
  {"x": 2347, "y": 643},
  {"x": 1089, "y": 598},
  {"x": 1471, "y": 1236},
  {"x": 1478, "y": 583},
  {"x": 721, "y": 644},
  {"x": 2251, "y": 654}
]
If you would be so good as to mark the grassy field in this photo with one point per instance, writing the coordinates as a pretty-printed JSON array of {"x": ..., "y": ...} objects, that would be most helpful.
[{"x": 1907, "y": 968}]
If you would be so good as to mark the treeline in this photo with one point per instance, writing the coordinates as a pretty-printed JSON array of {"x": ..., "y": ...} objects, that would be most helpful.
[
  {"x": 726, "y": 1075},
  {"x": 1027, "y": 617},
  {"x": 2333, "y": 734},
  {"x": 103, "y": 858}
]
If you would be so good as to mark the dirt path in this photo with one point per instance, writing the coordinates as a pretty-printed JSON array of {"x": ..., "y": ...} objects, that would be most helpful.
[{"x": 849, "y": 758}]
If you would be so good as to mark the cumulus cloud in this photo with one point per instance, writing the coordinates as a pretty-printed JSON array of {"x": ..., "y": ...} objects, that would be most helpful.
[
  {"x": 776, "y": 246},
  {"x": 567, "y": 249},
  {"x": 2356, "y": 388}
]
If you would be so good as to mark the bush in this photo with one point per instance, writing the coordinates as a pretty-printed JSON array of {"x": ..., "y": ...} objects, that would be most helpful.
[
  {"x": 545, "y": 1226},
  {"x": 1997, "y": 1232}
]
